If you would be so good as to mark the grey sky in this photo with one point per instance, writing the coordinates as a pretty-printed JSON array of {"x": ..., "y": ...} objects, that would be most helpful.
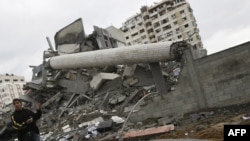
[{"x": 25, "y": 24}]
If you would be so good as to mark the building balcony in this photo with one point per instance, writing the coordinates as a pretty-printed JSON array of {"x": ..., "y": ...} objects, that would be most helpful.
[{"x": 152, "y": 14}]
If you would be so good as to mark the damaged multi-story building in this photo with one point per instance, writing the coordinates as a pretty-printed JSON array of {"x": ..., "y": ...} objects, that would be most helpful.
[{"x": 167, "y": 20}]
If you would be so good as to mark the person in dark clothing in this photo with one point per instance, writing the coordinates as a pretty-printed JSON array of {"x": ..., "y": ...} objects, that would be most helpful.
[{"x": 24, "y": 122}]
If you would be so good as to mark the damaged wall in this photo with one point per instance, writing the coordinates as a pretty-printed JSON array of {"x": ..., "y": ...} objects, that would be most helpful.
[{"x": 221, "y": 79}]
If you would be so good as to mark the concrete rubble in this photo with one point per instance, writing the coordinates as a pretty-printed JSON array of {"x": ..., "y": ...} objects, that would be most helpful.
[
  {"x": 95, "y": 102},
  {"x": 101, "y": 110},
  {"x": 93, "y": 87}
]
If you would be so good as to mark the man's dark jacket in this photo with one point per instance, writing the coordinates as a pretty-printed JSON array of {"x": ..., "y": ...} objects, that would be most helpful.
[{"x": 19, "y": 119}]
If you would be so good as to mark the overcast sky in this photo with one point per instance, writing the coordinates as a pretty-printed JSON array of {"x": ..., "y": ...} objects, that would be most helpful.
[{"x": 25, "y": 24}]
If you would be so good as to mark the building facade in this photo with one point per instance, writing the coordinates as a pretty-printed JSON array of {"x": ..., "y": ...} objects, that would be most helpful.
[
  {"x": 168, "y": 20},
  {"x": 11, "y": 87}
]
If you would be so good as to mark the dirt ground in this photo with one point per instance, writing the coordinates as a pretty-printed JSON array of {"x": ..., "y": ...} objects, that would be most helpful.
[{"x": 211, "y": 127}]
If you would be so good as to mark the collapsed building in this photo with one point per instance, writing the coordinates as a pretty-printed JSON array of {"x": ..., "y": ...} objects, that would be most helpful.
[
  {"x": 82, "y": 75},
  {"x": 92, "y": 85},
  {"x": 101, "y": 79}
]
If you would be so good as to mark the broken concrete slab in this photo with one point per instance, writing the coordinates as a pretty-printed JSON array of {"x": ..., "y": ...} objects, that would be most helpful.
[
  {"x": 129, "y": 70},
  {"x": 98, "y": 79}
]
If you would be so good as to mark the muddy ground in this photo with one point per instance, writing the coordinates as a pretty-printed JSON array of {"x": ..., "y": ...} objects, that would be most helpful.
[{"x": 210, "y": 127}]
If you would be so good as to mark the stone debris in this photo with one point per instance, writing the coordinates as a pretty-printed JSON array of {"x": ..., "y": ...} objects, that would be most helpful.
[
  {"x": 95, "y": 101},
  {"x": 100, "y": 78}
]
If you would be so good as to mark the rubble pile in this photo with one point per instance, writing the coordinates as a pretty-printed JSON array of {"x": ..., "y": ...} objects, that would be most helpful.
[
  {"x": 88, "y": 86},
  {"x": 110, "y": 95}
]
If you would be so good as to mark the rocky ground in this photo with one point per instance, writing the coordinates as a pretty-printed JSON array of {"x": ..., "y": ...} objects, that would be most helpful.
[{"x": 198, "y": 126}]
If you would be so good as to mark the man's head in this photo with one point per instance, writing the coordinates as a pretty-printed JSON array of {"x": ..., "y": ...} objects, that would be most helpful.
[{"x": 17, "y": 104}]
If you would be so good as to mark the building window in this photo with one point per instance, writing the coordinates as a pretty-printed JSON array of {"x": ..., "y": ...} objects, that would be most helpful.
[
  {"x": 158, "y": 30},
  {"x": 170, "y": 33},
  {"x": 184, "y": 18},
  {"x": 166, "y": 27},
  {"x": 150, "y": 30},
  {"x": 164, "y": 21},
  {"x": 154, "y": 17},
  {"x": 186, "y": 25},
  {"x": 156, "y": 25},
  {"x": 142, "y": 30},
  {"x": 162, "y": 13},
  {"x": 179, "y": 36},
  {"x": 175, "y": 23},
  {"x": 190, "y": 40},
  {"x": 182, "y": 12},
  {"x": 125, "y": 30},
  {"x": 177, "y": 1},
  {"x": 134, "y": 34}
]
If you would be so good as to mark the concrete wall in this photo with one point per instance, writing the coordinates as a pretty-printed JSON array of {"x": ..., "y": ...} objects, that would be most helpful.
[{"x": 217, "y": 80}]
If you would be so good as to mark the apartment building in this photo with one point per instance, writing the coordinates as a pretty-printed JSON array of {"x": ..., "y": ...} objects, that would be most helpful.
[
  {"x": 168, "y": 20},
  {"x": 11, "y": 87}
]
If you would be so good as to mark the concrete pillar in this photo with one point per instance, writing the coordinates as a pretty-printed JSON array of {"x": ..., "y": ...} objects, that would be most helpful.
[
  {"x": 195, "y": 82},
  {"x": 144, "y": 53},
  {"x": 160, "y": 83}
]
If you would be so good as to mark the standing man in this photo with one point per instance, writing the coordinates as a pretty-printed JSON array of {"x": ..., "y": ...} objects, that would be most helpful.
[{"x": 24, "y": 121}]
